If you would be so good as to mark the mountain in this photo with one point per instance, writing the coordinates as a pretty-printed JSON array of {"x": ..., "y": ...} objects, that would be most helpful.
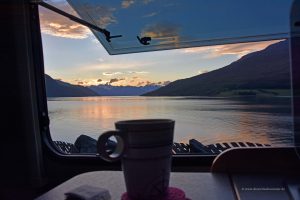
[
  {"x": 109, "y": 90},
  {"x": 267, "y": 69},
  {"x": 56, "y": 88}
]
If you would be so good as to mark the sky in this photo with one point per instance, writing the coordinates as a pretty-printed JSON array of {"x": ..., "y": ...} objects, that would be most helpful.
[{"x": 73, "y": 54}]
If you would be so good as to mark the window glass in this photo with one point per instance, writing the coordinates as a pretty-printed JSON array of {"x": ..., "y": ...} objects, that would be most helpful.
[
  {"x": 180, "y": 23},
  {"x": 221, "y": 96}
]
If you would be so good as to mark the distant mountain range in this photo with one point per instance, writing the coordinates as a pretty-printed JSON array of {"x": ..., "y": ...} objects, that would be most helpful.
[
  {"x": 57, "y": 88},
  {"x": 109, "y": 90},
  {"x": 266, "y": 70}
]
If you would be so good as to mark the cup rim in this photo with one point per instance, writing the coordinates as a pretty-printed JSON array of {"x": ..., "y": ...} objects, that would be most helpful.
[
  {"x": 144, "y": 121},
  {"x": 145, "y": 125}
]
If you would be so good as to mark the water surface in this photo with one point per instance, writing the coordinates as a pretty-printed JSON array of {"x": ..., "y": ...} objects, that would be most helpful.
[{"x": 209, "y": 120}]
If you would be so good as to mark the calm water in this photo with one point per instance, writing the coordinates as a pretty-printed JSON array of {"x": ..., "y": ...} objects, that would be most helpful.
[{"x": 210, "y": 120}]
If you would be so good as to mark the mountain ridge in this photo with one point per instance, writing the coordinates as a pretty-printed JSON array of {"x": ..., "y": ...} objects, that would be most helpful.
[
  {"x": 264, "y": 69},
  {"x": 57, "y": 88}
]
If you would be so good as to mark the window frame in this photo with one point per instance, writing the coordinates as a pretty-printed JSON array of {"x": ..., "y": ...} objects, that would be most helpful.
[{"x": 70, "y": 165}]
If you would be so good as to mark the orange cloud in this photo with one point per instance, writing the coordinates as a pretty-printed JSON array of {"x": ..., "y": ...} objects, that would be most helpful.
[
  {"x": 127, "y": 3},
  {"x": 123, "y": 81},
  {"x": 57, "y": 25},
  {"x": 164, "y": 33},
  {"x": 136, "y": 81},
  {"x": 160, "y": 30}
]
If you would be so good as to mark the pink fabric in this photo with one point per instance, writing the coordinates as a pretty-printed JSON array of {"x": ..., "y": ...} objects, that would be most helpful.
[{"x": 173, "y": 194}]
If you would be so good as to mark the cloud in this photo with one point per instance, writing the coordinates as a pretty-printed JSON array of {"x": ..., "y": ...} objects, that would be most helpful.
[
  {"x": 150, "y": 83},
  {"x": 166, "y": 83},
  {"x": 111, "y": 73},
  {"x": 102, "y": 16},
  {"x": 114, "y": 80},
  {"x": 106, "y": 20},
  {"x": 239, "y": 50},
  {"x": 123, "y": 81},
  {"x": 138, "y": 72},
  {"x": 160, "y": 83},
  {"x": 147, "y": 1},
  {"x": 160, "y": 30},
  {"x": 163, "y": 83},
  {"x": 122, "y": 65},
  {"x": 145, "y": 83},
  {"x": 57, "y": 25},
  {"x": 203, "y": 71},
  {"x": 150, "y": 14},
  {"x": 141, "y": 83},
  {"x": 166, "y": 33},
  {"x": 127, "y": 3},
  {"x": 88, "y": 82}
]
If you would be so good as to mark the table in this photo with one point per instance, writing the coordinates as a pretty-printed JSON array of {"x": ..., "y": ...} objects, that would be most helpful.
[
  {"x": 197, "y": 186},
  {"x": 267, "y": 186}
]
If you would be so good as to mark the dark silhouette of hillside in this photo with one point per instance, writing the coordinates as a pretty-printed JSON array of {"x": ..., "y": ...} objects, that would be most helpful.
[
  {"x": 265, "y": 69},
  {"x": 56, "y": 88}
]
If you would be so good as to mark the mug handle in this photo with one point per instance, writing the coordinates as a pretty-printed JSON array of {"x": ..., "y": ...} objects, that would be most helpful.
[{"x": 120, "y": 148}]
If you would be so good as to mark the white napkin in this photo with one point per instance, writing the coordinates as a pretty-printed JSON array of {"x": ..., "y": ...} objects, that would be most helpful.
[{"x": 87, "y": 192}]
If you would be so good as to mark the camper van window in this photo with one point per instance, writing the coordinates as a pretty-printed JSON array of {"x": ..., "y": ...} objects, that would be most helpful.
[{"x": 221, "y": 96}]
